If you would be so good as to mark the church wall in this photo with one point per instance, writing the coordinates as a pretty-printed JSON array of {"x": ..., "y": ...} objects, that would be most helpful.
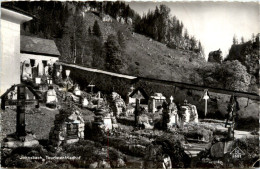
[
  {"x": 10, "y": 55},
  {"x": 38, "y": 60}
]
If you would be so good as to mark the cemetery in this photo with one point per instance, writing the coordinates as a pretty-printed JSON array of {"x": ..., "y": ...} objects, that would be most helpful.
[
  {"x": 140, "y": 129},
  {"x": 63, "y": 115}
]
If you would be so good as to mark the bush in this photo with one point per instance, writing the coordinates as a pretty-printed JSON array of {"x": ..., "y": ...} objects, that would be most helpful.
[{"x": 229, "y": 75}]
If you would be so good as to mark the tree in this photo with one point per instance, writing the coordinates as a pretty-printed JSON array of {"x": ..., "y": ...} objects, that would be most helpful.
[
  {"x": 193, "y": 43},
  {"x": 162, "y": 26},
  {"x": 242, "y": 40},
  {"x": 97, "y": 52},
  {"x": 76, "y": 33},
  {"x": 113, "y": 54},
  {"x": 121, "y": 38},
  {"x": 165, "y": 116},
  {"x": 201, "y": 50},
  {"x": 186, "y": 34},
  {"x": 89, "y": 31},
  {"x": 96, "y": 29},
  {"x": 234, "y": 75},
  {"x": 235, "y": 41},
  {"x": 253, "y": 37}
]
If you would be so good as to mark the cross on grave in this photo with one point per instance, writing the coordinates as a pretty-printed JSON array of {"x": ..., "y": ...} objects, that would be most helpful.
[
  {"x": 138, "y": 96},
  {"x": 132, "y": 88},
  {"x": 206, "y": 97},
  {"x": 233, "y": 107},
  {"x": 21, "y": 102},
  {"x": 91, "y": 86},
  {"x": 171, "y": 99}
]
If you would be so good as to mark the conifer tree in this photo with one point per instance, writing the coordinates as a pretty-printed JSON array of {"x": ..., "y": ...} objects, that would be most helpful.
[
  {"x": 113, "y": 54},
  {"x": 96, "y": 29},
  {"x": 121, "y": 38},
  {"x": 89, "y": 31},
  {"x": 242, "y": 40},
  {"x": 235, "y": 41}
]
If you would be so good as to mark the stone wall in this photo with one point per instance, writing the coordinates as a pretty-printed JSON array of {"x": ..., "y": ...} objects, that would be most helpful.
[
  {"x": 105, "y": 83},
  {"x": 217, "y": 105}
]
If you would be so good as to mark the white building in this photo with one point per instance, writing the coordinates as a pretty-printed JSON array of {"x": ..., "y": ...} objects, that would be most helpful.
[
  {"x": 10, "y": 47},
  {"x": 40, "y": 52}
]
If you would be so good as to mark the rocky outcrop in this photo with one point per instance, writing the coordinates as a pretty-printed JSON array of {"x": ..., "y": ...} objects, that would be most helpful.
[{"x": 215, "y": 56}]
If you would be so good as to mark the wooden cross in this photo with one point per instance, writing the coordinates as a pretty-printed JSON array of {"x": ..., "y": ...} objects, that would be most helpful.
[
  {"x": 138, "y": 96},
  {"x": 21, "y": 102},
  {"x": 91, "y": 86}
]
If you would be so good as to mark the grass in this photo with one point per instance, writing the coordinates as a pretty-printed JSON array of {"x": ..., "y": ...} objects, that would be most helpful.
[{"x": 38, "y": 123}]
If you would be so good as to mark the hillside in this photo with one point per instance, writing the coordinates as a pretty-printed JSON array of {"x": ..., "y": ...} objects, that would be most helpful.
[
  {"x": 86, "y": 35},
  {"x": 145, "y": 57}
]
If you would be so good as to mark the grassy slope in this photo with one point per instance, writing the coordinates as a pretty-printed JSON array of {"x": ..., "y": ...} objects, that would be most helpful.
[{"x": 155, "y": 59}]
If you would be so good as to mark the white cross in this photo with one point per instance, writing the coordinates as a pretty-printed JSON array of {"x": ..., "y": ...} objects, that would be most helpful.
[
  {"x": 206, "y": 97},
  {"x": 132, "y": 88},
  {"x": 171, "y": 98}
]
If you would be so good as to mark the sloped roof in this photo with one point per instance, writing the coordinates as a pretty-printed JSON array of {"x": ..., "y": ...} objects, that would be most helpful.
[
  {"x": 98, "y": 71},
  {"x": 139, "y": 91},
  {"x": 38, "y": 46}
]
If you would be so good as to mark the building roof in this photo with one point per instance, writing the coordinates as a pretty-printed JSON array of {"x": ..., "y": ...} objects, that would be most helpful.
[
  {"x": 158, "y": 96},
  {"x": 14, "y": 16},
  {"x": 38, "y": 46},
  {"x": 10, "y": 6},
  {"x": 99, "y": 71},
  {"x": 139, "y": 92}
]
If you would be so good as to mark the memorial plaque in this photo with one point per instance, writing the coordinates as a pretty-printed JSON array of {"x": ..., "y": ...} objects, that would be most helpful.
[
  {"x": 108, "y": 123},
  {"x": 72, "y": 130}
]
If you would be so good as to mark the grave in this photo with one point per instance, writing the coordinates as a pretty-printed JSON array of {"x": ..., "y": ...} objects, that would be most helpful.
[
  {"x": 68, "y": 127},
  {"x": 51, "y": 98},
  {"x": 116, "y": 103},
  {"x": 104, "y": 120},
  {"x": 138, "y": 92},
  {"x": 189, "y": 113},
  {"x": 21, "y": 138},
  {"x": 26, "y": 71},
  {"x": 156, "y": 100},
  {"x": 173, "y": 114}
]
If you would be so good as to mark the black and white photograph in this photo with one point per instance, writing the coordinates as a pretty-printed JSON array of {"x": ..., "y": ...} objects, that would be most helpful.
[{"x": 129, "y": 84}]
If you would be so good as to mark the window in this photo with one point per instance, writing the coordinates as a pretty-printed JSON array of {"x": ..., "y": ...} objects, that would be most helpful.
[
  {"x": 44, "y": 62},
  {"x": 32, "y": 61}
]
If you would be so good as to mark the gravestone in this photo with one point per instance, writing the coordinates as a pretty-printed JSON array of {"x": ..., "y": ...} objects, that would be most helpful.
[
  {"x": 68, "y": 127},
  {"x": 26, "y": 71},
  {"x": 51, "y": 98},
  {"x": 173, "y": 113}
]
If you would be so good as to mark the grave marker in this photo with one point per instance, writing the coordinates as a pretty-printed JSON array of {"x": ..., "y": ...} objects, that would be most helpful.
[
  {"x": 138, "y": 96},
  {"x": 21, "y": 102},
  {"x": 206, "y": 97}
]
